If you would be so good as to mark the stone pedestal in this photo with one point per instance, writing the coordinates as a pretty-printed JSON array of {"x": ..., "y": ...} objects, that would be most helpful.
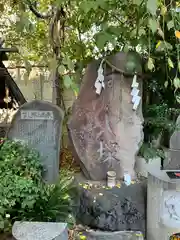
[
  {"x": 120, "y": 208},
  {"x": 163, "y": 210},
  {"x": 141, "y": 166}
]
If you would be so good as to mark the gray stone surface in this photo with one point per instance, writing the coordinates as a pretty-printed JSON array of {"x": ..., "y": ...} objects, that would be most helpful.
[
  {"x": 115, "y": 209},
  {"x": 40, "y": 231},
  {"x": 174, "y": 151},
  {"x": 105, "y": 131},
  {"x": 121, "y": 235},
  {"x": 38, "y": 124},
  {"x": 162, "y": 205}
]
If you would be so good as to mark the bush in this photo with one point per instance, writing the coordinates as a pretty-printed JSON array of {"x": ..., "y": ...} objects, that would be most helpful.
[
  {"x": 57, "y": 203},
  {"x": 23, "y": 193}
]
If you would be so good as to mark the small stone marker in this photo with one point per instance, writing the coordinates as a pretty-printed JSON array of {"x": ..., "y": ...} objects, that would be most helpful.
[
  {"x": 174, "y": 152},
  {"x": 39, "y": 231},
  {"x": 39, "y": 124}
]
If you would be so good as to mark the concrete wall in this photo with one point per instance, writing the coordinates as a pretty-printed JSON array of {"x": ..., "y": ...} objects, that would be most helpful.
[{"x": 38, "y": 85}]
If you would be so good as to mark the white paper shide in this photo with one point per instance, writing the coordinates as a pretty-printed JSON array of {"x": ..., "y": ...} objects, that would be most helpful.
[
  {"x": 99, "y": 83},
  {"x": 134, "y": 93}
]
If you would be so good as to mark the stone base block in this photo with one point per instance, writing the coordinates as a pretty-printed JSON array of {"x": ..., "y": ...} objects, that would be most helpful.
[{"x": 117, "y": 209}]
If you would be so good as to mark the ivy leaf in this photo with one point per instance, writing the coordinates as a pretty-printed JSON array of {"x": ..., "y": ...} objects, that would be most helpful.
[
  {"x": 61, "y": 69},
  {"x": 102, "y": 38},
  {"x": 142, "y": 32},
  {"x": 23, "y": 22},
  {"x": 170, "y": 25},
  {"x": 75, "y": 89},
  {"x": 168, "y": 45},
  {"x": 176, "y": 82},
  {"x": 160, "y": 32},
  {"x": 86, "y": 6},
  {"x": 177, "y": 98},
  {"x": 114, "y": 30},
  {"x": 166, "y": 84},
  {"x": 163, "y": 10},
  {"x": 170, "y": 63},
  {"x": 162, "y": 45},
  {"x": 52, "y": 64},
  {"x": 153, "y": 25},
  {"x": 152, "y": 6},
  {"x": 126, "y": 48},
  {"x": 67, "y": 61},
  {"x": 67, "y": 81},
  {"x": 150, "y": 64},
  {"x": 70, "y": 64},
  {"x": 1, "y": 225},
  {"x": 137, "y": 2}
]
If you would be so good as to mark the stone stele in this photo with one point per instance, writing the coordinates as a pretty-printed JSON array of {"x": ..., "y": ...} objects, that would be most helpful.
[
  {"x": 105, "y": 132},
  {"x": 39, "y": 124}
]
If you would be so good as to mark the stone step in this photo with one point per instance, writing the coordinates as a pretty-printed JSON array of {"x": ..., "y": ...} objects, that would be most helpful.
[
  {"x": 119, "y": 235},
  {"x": 40, "y": 231}
]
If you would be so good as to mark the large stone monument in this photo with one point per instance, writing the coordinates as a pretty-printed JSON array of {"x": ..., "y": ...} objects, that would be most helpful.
[
  {"x": 38, "y": 124},
  {"x": 106, "y": 125}
]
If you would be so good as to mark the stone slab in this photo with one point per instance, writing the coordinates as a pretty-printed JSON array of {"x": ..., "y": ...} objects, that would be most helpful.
[
  {"x": 40, "y": 231},
  {"x": 121, "y": 235}
]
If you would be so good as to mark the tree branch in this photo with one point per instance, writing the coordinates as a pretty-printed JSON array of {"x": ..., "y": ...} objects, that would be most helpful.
[{"x": 35, "y": 11}]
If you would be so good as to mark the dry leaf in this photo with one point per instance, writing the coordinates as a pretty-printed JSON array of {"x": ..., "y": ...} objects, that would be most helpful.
[
  {"x": 177, "y": 34},
  {"x": 118, "y": 185},
  {"x": 158, "y": 44}
]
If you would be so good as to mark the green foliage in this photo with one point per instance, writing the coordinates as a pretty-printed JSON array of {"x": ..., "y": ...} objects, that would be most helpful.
[
  {"x": 57, "y": 203},
  {"x": 92, "y": 28},
  {"x": 23, "y": 193},
  {"x": 20, "y": 179},
  {"x": 159, "y": 118},
  {"x": 150, "y": 152},
  {"x": 159, "y": 123}
]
